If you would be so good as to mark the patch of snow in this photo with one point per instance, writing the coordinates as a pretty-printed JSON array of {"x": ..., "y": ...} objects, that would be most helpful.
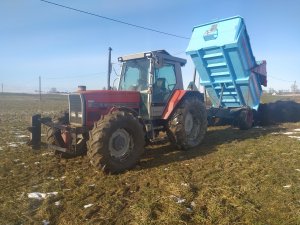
[
  {"x": 45, "y": 222},
  {"x": 297, "y": 170},
  {"x": 22, "y": 136},
  {"x": 36, "y": 163},
  {"x": 49, "y": 194},
  {"x": 13, "y": 145},
  {"x": 275, "y": 133},
  {"x": 296, "y": 137},
  {"x": 178, "y": 200},
  {"x": 92, "y": 185},
  {"x": 289, "y": 133},
  {"x": 166, "y": 169},
  {"x": 45, "y": 154},
  {"x": 297, "y": 130},
  {"x": 184, "y": 184},
  {"x": 50, "y": 178},
  {"x": 41, "y": 196},
  {"x": 189, "y": 209},
  {"x": 57, "y": 203},
  {"x": 287, "y": 186},
  {"x": 87, "y": 206},
  {"x": 16, "y": 160},
  {"x": 257, "y": 127},
  {"x": 37, "y": 195},
  {"x": 63, "y": 177}
]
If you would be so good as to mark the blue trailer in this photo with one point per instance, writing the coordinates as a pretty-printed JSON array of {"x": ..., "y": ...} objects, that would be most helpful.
[{"x": 224, "y": 60}]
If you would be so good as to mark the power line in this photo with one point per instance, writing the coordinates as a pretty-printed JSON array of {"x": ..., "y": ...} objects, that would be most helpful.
[{"x": 115, "y": 20}]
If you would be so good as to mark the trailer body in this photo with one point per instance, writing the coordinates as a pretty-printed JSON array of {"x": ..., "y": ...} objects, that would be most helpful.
[{"x": 223, "y": 57}]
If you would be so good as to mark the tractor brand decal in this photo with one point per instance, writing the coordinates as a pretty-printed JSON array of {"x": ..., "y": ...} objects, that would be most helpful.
[{"x": 101, "y": 105}]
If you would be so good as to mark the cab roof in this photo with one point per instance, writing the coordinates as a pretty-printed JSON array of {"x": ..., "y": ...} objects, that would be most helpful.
[{"x": 158, "y": 53}]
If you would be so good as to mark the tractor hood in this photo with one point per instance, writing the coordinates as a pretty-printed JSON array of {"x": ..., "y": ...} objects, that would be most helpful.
[{"x": 87, "y": 107}]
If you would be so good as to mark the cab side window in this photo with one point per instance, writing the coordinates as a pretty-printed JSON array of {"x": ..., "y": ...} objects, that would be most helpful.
[{"x": 164, "y": 83}]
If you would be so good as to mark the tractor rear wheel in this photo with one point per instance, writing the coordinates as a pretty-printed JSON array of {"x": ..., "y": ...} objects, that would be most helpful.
[
  {"x": 116, "y": 142},
  {"x": 245, "y": 119},
  {"x": 188, "y": 123}
]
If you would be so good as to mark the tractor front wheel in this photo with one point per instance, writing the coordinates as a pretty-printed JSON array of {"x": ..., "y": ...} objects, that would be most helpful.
[
  {"x": 116, "y": 142},
  {"x": 188, "y": 123},
  {"x": 53, "y": 136}
]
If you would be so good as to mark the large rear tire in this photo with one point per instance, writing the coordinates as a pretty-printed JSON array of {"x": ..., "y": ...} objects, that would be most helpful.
[
  {"x": 188, "y": 123},
  {"x": 116, "y": 142}
]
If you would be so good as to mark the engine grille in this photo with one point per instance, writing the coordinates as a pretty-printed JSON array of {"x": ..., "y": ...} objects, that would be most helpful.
[{"x": 76, "y": 106}]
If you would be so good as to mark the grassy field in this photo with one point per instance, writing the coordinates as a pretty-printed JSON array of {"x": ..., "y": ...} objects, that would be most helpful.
[{"x": 234, "y": 177}]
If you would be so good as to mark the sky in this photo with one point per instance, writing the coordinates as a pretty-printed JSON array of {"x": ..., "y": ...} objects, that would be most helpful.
[{"x": 67, "y": 48}]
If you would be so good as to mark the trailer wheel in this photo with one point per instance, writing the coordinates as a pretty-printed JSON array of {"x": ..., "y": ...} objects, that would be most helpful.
[
  {"x": 245, "y": 119},
  {"x": 188, "y": 123},
  {"x": 116, "y": 142}
]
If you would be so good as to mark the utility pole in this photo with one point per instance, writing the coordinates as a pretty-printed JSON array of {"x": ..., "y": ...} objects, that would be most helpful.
[
  {"x": 40, "y": 88},
  {"x": 109, "y": 68}
]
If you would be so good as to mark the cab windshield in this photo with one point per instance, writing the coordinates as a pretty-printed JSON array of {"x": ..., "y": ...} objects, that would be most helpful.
[{"x": 134, "y": 75}]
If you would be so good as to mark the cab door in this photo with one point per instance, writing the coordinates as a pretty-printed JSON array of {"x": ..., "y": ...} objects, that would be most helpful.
[{"x": 164, "y": 84}]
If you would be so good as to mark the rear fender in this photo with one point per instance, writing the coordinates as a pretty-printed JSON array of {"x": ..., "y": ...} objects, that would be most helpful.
[{"x": 176, "y": 98}]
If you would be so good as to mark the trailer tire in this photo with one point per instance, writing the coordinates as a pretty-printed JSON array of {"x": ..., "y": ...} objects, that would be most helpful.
[
  {"x": 116, "y": 142},
  {"x": 245, "y": 119},
  {"x": 188, "y": 123}
]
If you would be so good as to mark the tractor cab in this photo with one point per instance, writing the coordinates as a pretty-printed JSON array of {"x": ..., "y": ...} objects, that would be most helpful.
[{"x": 156, "y": 75}]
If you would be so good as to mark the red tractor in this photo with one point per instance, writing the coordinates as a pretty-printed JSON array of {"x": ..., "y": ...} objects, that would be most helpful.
[{"x": 114, "y": 125}]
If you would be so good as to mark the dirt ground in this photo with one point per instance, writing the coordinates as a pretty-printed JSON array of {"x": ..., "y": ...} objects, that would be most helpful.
[{"x": 233, "y": 177}]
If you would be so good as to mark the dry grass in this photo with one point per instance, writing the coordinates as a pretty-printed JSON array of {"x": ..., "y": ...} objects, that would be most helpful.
[{"x": 234, "y": 177}]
